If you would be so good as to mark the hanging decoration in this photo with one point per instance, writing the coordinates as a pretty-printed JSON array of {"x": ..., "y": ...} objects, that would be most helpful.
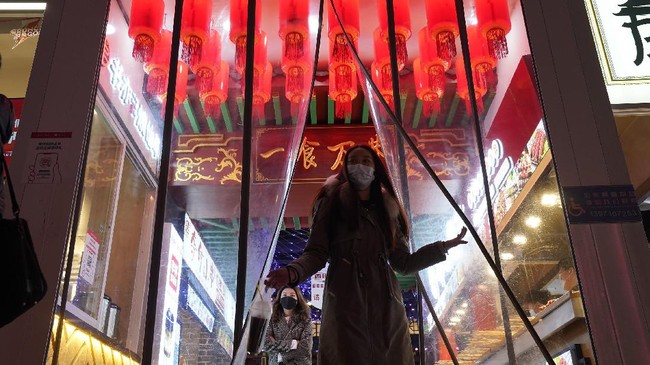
[
  {"x": 382, "y": 61},
  {"x": 181, "y": 87},
  {"x": 145, "y": 24},
  {"x": 462, "y": 88},
  {"x": 443, "y": 26},
  {"x": 342, "y": 88},
  {"x": 386, "y": 92},
  {"x": 195, "y": 29},
  {"x": 493, "y": 18},
  {"x": 432, "y": 63},
  {"x": 157, "y": 68},
  {"x": 218, "y": 92},
  {"x": 482, "y": 61},
  {"x": 296, "y": 62},
  {"x": 429, "y": 93},
  {"x": 206, "y": 69},
  {"x": 348, "y": 11},
  {"x": 238, "y": 18},
  {"x": 402, "y": 15},
  {"x": 262, "y": 90}
]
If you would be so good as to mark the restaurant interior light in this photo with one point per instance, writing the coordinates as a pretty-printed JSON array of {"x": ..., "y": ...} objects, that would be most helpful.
[
  {"x": 519, "y": 239},
  {"x": 533, "y": 221},
  {"x": 507, "y": 256},
  {"x": 549, "y": 200},
  {"x": 22, "y": 6}
]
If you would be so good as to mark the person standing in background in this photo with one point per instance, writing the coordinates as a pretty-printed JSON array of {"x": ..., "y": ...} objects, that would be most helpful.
[{"x": 289, "y": 336}]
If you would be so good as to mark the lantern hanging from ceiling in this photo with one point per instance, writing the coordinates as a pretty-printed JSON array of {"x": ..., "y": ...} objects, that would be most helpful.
[
  {"x": 443, "y": 26},
  {"x": 157, "y": 68},
  {"x": 386, "y": 92},
  {"x": 297, "y": 84},
  {"x": 348, "y": 11},
  {"x": 432, "y": 64},
  {"x": 382, "y": 61},
  {"x": 206, "y": 69},
  {"x": 402, "y": 15},
  {"x": 218, "y": 92},
  {"x": 294, "y": 29},
  {"x": 493, "y": 18},
  {"x": 482, "y": 61},
  {"x": 462, "y": 88},
  {"x": 259, "y": 61},
  {"x": 181, "y": 87},
  {"x": 342, "y": 88},
  {"x": 195, "y": 29},
  {"x": 238, "y": 29},
  {"x": 429, "y": 93},
  {"x": 145, "y": 24},
  {"x": 262, "y": 92}
]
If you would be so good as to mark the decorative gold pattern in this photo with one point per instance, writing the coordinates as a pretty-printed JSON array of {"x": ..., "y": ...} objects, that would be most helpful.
[
  {"x": 189, "y": 143},
  {"x": 456, "y": 163},
  {"x": 270, "y": 153},
  {"x": 189, "y": 168},
  {"x": 229, "y": 161},
  {"x": 452, "y": 137}
]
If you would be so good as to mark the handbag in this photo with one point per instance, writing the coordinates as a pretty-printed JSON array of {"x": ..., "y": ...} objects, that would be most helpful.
[{"x": 23, "y": 284}]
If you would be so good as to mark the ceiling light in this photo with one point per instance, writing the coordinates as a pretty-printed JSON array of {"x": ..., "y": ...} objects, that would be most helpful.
[
  {"x": 464, "y": 305},
  {"x": 110, "y": 29},
  {"x": 549, "y": 200},
  {"x": 22, "y": 6},
  {"x": 519, "y": 239},
  {"x": 461, "y": 312},
  {"x": 454, "y": 319},
  {"x": 507, "y": 256},
  {"x": 533, "y": 221}
]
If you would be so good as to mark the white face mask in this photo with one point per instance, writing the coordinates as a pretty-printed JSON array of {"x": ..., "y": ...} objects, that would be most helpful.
[{"x": 361, "y": 176}]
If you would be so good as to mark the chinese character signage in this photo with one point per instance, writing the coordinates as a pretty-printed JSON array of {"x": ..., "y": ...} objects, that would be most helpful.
[
  {"x": 601, "y": 204},
  {"x": 622, "y": 32},
  {"x": 170, "y": 280},
  {"x": 318, "y": 287}
]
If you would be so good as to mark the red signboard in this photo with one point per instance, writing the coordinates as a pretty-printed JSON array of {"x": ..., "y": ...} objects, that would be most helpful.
[{"x": 9, "y": 147}]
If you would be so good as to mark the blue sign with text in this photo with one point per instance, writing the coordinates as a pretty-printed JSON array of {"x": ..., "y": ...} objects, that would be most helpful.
[{"x": 601, "y": 204}]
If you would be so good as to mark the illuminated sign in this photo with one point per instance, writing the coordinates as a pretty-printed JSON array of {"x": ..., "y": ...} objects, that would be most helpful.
[
  {"x": 201, "y": 311},
  {"x": 622, "y": 32},
  {"x": 200, "y": 262},
  {"x": 497, "y": 171},
  {"x": 170, "y": 280},
  {"x": 143, "y": 125}
]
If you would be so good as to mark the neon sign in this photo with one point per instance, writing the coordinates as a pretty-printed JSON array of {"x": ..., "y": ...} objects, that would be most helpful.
[{"x": 146, "y": 130}]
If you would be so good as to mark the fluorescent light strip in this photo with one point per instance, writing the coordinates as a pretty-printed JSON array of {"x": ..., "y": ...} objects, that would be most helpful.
[{"x": 22, "y": 6}]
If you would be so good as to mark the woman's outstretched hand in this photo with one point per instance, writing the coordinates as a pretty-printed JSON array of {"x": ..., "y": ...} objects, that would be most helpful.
[
  {"x": 458, "y": 240},
  {"x": 277, "y": 278}
]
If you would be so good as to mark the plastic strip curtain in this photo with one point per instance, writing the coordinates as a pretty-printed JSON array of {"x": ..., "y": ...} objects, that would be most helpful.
[
  {"x": 438, "y": 174},
  {"x": 267, "y": 199}
]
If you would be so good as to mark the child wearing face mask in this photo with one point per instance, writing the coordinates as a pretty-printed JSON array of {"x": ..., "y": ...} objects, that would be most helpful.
[
  {"x": 361, "y": 229},
  {"x": 289, "y": 335}
]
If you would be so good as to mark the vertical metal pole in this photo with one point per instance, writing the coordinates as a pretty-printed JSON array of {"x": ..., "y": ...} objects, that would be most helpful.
[
  {"x": 423, "y": 357},
  {"x": 443, "y": 335},
  {"x": 245, "y": 175},
  {"x": 161, "y": 198}
]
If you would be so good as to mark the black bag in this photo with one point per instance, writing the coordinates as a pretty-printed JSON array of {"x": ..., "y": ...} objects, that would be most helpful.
[{"x": 23, "y": 284}]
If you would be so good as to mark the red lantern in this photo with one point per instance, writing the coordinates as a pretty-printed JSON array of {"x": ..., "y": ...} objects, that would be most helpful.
[
  {"x": 429, "y": 93},
  {"x": 342, "y": 88},
  {"x": 157, "y": 68},
  {"x": 259, "y": 61},
  {"x": 463, "y": 90},
  {"x": 297, "y": 85},
  {"x": 238, "y": 29},
  {"x": 431, "y": 62},
  {"x": 443, "y": 26},
  {"x": 218, "y": 92},
  {"x": 482, "y": 61},
  {"x": 494, "y": 22},
  {"x": 401, "y": 10},
  {"x": 262, "y": 92},
  {"x": 145, "y": 24},
  {"x": 348, "y": 11},
  {"x": 386, "y": 92},
  {"x": 208, "y": 67},
  {"x": 382, "y": 61},
  {"x": 195, "y": 28},
  {"x": 181, "y": 86},
  {"x": 294, "y": 29}
]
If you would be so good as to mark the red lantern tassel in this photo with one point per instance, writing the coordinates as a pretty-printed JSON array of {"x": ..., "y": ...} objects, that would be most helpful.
[
  {"x": 143, "y": 45},
  {"x": 386, "y": 79},
  {"x": 446, "y": 44},
  {"x": 430, "y": 104},
  {"x": 212, "y": 106},
  {"x": 343, "y": 107},
  {"x": 497, "y": 43},
  {"x": 192, "y": 50},
  {"x": 157, "y": 81},
  {"x": 341, "y": 52},
  {"x": 205, "y": 77},
  {"x": 294, "y": 46}
]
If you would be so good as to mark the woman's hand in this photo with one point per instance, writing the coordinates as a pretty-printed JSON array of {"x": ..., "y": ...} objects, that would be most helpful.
[
  {"x": 276, "y": 279},
  {"x": 458, "y": 240}
]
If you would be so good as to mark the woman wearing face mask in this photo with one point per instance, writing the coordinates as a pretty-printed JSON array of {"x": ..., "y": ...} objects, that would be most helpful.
[
  {"x": 361, "y": 229},
  {"x": 289, "y": 337}
]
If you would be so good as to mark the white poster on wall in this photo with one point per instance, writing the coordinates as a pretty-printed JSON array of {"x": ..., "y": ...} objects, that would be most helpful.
[
  {"x": 318, "y": 287},
  {"x": 169, "y": 284},
  {"x": 89, "y": 257}
]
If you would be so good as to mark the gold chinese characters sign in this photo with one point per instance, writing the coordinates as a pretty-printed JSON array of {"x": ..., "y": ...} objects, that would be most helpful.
[{"x": 216, "y": 158}]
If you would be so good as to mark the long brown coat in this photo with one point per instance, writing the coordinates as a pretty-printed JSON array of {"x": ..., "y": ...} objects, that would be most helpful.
[
  {"x": 363, "y": 317},
  {"x": 278, "y": 341}
]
